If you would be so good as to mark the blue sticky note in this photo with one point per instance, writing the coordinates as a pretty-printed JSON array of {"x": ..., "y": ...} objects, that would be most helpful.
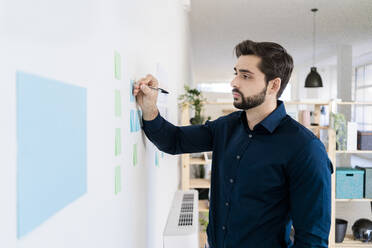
[
  {"x": 51, "y": 142},
  {"x": 139, "y": 118},
  {"x": 136, "y": 123},
  {"x": 156, "y": 158},
  {"x": 132, "y": 125},
  {"x": 132, "y": 98}
]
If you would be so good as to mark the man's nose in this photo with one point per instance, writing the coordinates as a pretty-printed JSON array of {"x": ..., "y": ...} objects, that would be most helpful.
[{"x": 234, "y": 83}]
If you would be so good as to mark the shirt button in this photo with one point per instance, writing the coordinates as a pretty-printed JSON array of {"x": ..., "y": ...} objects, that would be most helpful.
[
  {"x": 231, "y": 180},
  {"x": 237, "y": 157},
  {"x": 250, "y": 136},
  {"x": 227, "y": 204},
  {"x": 224, "y": 228}
]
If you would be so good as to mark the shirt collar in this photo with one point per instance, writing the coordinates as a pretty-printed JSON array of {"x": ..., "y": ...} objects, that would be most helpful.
[{"x": 272, "y": 121}]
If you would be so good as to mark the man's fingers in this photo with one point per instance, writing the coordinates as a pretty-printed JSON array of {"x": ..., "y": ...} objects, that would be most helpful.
[
  {"x": 145, "y": 89},
  {"x": 136, "y": 91},
  {"x": 149, "y": 80}
]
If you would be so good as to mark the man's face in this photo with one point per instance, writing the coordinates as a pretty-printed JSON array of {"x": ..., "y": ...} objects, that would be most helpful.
[{"x": 249, "y": 86}]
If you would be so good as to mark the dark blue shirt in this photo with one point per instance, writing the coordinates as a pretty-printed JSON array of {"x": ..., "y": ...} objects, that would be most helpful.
[{"x": 263, "y": 180}]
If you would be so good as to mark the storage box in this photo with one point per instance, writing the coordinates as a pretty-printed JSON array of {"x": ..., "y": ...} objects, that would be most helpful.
[
  {"x": 349, "y": 183},
  {"x": 367, "y": 182},
  {"x": 364, "y": 140}
]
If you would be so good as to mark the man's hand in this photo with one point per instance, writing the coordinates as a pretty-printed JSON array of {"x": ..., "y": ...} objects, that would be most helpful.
[{"x": 147, "y": 97}]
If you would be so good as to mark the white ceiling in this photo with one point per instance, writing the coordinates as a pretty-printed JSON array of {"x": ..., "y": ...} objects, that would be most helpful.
[{"x": 218, "y": 25}]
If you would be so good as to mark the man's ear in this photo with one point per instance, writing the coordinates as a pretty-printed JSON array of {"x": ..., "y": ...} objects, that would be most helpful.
[{"x": 274, "y": 86}]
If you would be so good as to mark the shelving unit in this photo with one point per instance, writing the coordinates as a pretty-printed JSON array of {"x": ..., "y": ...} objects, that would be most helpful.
[
  {"x": 354, "y": 200},
  {"x": 350, "y": 243},
  {"x": 188, "y": 161},
  {"x": 349, "y": 240}
]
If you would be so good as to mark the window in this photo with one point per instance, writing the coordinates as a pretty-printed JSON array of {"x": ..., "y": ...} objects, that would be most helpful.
[{"x": 363, "y": 93}]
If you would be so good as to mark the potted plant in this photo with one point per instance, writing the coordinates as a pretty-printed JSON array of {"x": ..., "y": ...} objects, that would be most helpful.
[
  {"x": 203, "y": 220},
  {"x": 194, "y": 98}
]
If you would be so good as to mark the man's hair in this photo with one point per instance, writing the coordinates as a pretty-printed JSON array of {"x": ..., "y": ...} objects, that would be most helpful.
[{"x": 275, "y": 61}]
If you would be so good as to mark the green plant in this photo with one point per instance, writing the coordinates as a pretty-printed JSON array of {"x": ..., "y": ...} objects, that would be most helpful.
[
  {"x": 203, "y": 220},
  {"x": 194, "y": 98},
  {"x": 339, "y": 125}
]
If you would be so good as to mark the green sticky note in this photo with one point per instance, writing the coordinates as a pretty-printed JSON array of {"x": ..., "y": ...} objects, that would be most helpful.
[
  {"x": 117, "y": 65},
  {"x": 156, "y": 158},
  {"x": 135, "y": 155},
  {"x": 117, "y": 179},
  {"x": 117, "y": 141},
  {"x": 117, "y": 103}
]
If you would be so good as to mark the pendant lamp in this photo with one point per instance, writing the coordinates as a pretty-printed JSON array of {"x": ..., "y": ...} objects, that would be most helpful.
[{"x": 313, "y": 79}]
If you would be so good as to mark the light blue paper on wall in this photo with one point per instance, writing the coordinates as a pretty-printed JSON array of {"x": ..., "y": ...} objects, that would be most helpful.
[{"x": 51, "y": 155}]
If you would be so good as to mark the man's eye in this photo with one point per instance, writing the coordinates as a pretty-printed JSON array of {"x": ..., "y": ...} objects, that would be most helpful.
[{"x": 245, "y": 76}]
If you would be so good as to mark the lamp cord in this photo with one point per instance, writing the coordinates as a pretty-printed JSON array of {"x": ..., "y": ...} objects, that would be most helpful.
[{"x": 314, "y": 33}]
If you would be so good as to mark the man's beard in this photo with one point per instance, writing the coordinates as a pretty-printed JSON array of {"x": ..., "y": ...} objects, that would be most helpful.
[{"x": 251, "y": 101}]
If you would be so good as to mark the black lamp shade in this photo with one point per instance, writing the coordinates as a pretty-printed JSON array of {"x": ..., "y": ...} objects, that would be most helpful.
[{"x": 313, "y": 79}]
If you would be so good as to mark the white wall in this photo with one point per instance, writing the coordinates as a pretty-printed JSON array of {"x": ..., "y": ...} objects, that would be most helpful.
[{"x": 74, "y": 42}]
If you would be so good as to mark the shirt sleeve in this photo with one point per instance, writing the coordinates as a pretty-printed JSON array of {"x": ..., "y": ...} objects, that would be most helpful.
[
  {"x": 176, "y": 140},
  {"x": 310, "y": 195}
]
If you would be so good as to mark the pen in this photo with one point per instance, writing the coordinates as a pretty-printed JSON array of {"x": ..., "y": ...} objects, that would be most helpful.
[{"x": 161, "y": 90}]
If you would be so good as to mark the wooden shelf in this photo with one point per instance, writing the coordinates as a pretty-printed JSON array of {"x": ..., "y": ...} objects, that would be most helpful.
[
  {"x": 202, "y": 239},
  {"x": 197, "y": 161},
  {"x": 200, "y": 183},
  {"x": 220, "y": 103},
  {"x": 354, "y": 200},
  {"x": 356, "y": 151},
  {"x": 306, "y": 103},
  {"x": 203, "y": 206},
  {"x": 318, "y": 127},
  {"x": 350, "y": 242}
]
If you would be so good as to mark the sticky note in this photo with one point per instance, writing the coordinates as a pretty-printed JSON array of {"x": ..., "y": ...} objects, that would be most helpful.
[
  {"x": 135, "y": 159},
  {"x": 138, "y": 122},
  {"x": 117, "y": 59},
  {"x": 156, "y": 158},
  {"x": 117, "y": 103},
  {"x": 117, "y": 179},
  {"x": 132, "y": 98},
  {"x": 117, "y": 141},
  {"x": 132, "y": 121}
]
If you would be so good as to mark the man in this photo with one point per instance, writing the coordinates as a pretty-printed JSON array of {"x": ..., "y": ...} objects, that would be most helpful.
[{"x": 268, "y": 171}]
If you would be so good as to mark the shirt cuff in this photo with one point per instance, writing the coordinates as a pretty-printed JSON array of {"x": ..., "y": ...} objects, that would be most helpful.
[{"x": 154, "y": 125}]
